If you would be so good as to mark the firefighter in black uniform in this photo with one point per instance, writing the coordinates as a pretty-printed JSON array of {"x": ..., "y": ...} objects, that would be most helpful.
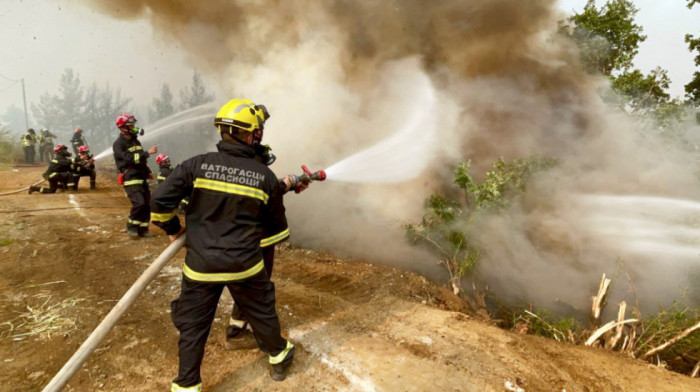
[
  {"x": 78, "y": 140},
  {"x": 234, "y": 201},
  {"x": 238, "y": 332},
  {"x": 61, "y": 172},
  {"x": 130, "y": 159},
  {"x": 164, "y": 168},
  {"x": 85, "y": 165}
]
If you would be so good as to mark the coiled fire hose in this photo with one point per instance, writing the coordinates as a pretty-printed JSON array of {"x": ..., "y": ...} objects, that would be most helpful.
[{"x": 90, "y": 344}]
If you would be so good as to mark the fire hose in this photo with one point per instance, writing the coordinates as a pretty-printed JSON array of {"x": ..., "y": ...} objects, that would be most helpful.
[
  {"x": 20, "y": 190},
  {"x": 90, "y": 344}
]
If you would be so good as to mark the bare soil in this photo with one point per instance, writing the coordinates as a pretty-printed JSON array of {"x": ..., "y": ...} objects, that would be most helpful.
[{"x": 358, "y": 326}]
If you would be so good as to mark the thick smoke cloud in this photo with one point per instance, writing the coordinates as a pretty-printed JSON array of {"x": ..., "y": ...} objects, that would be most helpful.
[{"x": 337, "y": 76}]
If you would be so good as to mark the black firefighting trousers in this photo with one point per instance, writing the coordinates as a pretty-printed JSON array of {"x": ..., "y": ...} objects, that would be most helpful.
[
  {"x": 194, "y": 312},
  {"x": 70, "y": 180},
  {"x": 29, "y": 153},
  {"x": 89, "y": 173},
  {"x": 236, "y": 313},
  {"x": 140, "y": 197}
]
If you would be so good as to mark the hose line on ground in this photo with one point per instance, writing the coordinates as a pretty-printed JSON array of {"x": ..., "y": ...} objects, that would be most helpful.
[{"x": 20, "y": 190}]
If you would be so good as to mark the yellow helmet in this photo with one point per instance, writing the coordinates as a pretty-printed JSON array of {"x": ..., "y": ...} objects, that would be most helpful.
[{"x": 240, "y": 113}]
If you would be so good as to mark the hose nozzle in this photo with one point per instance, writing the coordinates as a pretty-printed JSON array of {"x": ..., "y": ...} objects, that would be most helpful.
[{"x": 308, "y": 176}]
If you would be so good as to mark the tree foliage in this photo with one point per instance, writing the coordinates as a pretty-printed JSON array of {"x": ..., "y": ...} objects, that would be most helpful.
[
  {"x": 608, "y": 37},
  {"x": 93, "y": 110},
  {"x": 162, "y": 106},
  {"x": 692, "y": 89},
  {"x": 445, "y": 225},
  {"x": 196, "y": 94}
]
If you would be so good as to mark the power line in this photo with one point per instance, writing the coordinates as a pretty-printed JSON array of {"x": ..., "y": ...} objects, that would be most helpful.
[
  {"x": 10, "y": 86},
  {"x": 11, "y": 80}
]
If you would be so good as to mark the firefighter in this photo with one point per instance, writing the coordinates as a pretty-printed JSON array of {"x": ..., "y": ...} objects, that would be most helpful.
[
  {"x": 78, "y": 140},
  {"x": 239, "y": 334},
  {"x": 45, "y": 145},
  {"x": 60, "y": 172},
  {"x": 234, "y": 201},
  {"x": 85, "y": 165},
  {"x": 164, "y": 168},
  {"x": 130, "y": 159},
  {"x": 28, "y": 143}
]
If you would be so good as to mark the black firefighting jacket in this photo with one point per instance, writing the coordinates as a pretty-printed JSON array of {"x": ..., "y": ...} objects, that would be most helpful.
[
  {"x": 163, "y": 173},
  {"x": 130, "y": 159},
  {"x": 78, "y": 140},
  {"x": 235, "y": 208},
  {"x": 84, "y": 165},
  {"x": 59, "y": 164}
]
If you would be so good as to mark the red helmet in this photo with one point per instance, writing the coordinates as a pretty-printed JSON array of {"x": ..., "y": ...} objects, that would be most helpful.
[
  {"x": 161, "y": 157},
  {"x": 78, "y": 129},
  {"x": 59, "y": 148},
  {"x": 125, "y": 119},
  {"x": 83, "y": 149}
]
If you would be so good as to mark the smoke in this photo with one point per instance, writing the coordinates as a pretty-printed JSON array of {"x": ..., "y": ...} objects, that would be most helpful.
[{"x": 338, "y": 77}]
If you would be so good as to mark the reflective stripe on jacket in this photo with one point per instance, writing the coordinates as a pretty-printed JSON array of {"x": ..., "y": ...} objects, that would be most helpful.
[
  {"x": 130, "y": 159},
  {"x": 235, "y": 201}
]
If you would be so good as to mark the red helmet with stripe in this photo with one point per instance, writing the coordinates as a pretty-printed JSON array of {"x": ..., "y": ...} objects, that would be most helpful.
[
  {"x": 125, "y": 119},
  {"x": 83, "y": 149},
  {"x": 59, "y": 148},
  {"x": 161, "y": 157}
]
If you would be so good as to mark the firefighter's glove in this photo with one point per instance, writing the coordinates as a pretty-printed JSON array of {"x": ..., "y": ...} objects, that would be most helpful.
[{"x": 291, "y": 181}]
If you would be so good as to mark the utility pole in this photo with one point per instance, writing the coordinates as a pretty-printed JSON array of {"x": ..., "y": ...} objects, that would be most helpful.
[{"x": 24, "y": 97}]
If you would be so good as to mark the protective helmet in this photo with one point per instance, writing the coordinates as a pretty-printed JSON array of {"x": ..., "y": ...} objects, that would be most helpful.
[
  {"x": 78, "y": 129},
  {"x": 161, "y": 157},
  {"x": 30, "y": 130},
  {"x": 83, "y": 149},
  {"x": 59, "y": 148},
  {"x": 240, "y": 113},
  {"x": 125, "y": 119}
]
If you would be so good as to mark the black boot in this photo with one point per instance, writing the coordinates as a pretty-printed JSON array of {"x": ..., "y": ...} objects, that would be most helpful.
[
  {"x": 33, "y": 189},
  {"x": 92, "y": 186},
  {"x": 133, "y": 233}
]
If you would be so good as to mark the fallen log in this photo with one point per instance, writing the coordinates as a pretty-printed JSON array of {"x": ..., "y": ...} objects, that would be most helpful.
[{"x": 599, "y": 299}]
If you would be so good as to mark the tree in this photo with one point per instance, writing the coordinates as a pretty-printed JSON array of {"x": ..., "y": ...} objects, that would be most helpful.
[
  {"x": 162, "y": 106},
  {"x": 196, "y": 94},
  {"x": 608, "y": 37},
  {"x": 63, "y": 111},
  {"x": 102, "y": 106},
  {"x": 14, "y": 120}
]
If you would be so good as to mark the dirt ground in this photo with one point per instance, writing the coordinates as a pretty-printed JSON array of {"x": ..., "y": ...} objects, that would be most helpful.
[{"x": 357, "y": 326}]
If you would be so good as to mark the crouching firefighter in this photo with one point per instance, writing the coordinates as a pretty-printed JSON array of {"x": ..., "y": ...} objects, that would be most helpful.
[
  {"x": 130, "y": 159},
  {"x": 61, "y": 172},
  {"x": 234, "y": 201},
  {"x": 85, "y": 165}
]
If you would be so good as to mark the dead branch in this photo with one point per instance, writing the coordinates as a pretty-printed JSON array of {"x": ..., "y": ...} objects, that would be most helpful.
[
  {"x": 620, "y": 327},
  {"x": 672, "y": 341},
  {"x": 605, "y": 328},
  {"x": 599, "y": 299},
  {"x": 695, "y": 371}
]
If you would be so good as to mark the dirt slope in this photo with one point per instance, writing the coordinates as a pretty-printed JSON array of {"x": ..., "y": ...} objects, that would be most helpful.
[{"x": 359, "y": 327}]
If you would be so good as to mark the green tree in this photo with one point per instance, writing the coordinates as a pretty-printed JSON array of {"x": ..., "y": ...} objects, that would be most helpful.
[
  {"x": 196, "y": 94},
  {"x": 62, "y": 111},
  {"x": 446, "y": 222},
  {"x": 608, "y": 38},
  {"x": 692, "y": 89},
  {"x": 102, "y": 106},
  {"x": 162, "y": 106}
]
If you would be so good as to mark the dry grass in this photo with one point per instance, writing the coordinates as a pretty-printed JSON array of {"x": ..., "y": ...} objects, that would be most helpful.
[{"x": 43, "y": 319}]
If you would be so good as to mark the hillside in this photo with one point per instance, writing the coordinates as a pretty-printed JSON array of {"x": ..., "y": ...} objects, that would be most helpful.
[{"x": 358, "y": 326}]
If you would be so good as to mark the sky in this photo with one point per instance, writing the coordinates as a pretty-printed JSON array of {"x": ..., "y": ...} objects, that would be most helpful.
[{"x": 41, "y": 38}]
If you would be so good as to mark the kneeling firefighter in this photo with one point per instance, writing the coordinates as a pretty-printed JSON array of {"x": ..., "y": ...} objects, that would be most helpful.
[
  {"x": 61, "y": 172},
  {"x": 234, "y": 202}
]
